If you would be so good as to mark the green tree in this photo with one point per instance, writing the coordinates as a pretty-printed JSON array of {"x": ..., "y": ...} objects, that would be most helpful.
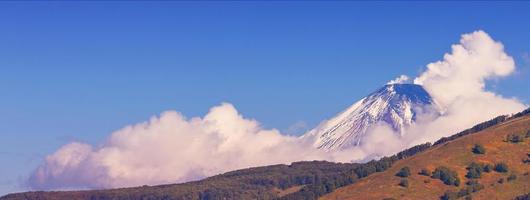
[
  {"x": 473, "y": 174},
  {"x": 474, "y": 170},
  {"x": 404, "y": 183},
  {"x": 403, "y": 172},
  {"x": 472, "y": 182},
  {"x": 488, "y": 168},
  {"x": 449, "y": 177},
  {"x": 501, "y": 167},
  {"x": 449, "y": 196},
  {"x": 514, "y": 138},
  {"x": 478, "y": 149}
]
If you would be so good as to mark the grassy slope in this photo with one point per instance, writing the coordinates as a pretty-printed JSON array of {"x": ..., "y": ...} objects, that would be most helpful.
[{"x": 456, "y": 155}]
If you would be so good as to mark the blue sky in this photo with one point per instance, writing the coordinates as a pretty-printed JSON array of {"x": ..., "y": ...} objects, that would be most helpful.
[{"x": 76, "y": 71}]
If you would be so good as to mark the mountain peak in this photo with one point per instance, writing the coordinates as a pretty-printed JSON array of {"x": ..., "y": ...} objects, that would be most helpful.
[
  {"x": 414, "y": 92},
  {"x": 394, "y": 104}
]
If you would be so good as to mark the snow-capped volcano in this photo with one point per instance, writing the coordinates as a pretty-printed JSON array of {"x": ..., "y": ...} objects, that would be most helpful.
[{"x": 394, "y": 104}]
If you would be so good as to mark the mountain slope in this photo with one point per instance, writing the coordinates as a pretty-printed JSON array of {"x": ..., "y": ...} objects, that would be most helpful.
[
  {"x": 456, "y": 155},
  {"x": 394, "y": 104}
]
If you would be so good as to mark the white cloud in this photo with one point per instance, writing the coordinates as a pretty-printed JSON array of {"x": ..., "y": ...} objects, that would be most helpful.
[
  {"x": 458, "y": 85},
  {"x": 296, "y": 128},
  {"x": 398, "y": 80},
  {"x": 463, "y": 72},
  {"x": 171, "y": 148}
]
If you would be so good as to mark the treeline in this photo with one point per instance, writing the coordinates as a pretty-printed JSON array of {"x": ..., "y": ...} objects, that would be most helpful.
[
  {"x": 318, "y": 189},
  {"x": 482, "y": 126},
  {"x": 474, "y": 129},
  {"x": 329, "y": 184}
]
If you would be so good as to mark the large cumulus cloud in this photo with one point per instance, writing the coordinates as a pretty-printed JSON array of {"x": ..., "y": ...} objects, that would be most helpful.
[
  {"x": 458, "y": 84},
  {"x": 169, "y": 149}
]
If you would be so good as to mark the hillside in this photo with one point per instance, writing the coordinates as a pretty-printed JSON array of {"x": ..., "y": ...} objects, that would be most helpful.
[
  {"x": 456, "y": 155},
  {"x": 372, "y": 180}
]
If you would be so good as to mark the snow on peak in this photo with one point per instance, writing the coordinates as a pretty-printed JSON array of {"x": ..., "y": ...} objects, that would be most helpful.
[{"x": 394, "y": 104}]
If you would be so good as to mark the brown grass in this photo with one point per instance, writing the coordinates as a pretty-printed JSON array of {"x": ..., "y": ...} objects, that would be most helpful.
[{"x": 456, "y": 155}]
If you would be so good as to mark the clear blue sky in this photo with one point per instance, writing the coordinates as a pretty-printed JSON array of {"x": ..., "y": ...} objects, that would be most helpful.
[{"x": 78, "y": 71}]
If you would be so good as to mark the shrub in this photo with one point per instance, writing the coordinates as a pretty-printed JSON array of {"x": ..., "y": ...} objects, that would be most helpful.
[
  {"x": 463, "y": 192},
  {"x": 511, "y": 177},
  {"x": 514, "y": 138},
  {"x": 527, "y": 134},
  {"x": 473, "y": 174},
  {"x": 501, "y": 181},
  {"x": 471, "y": 182},
  {"x": 488, "y": 168},
  {"x": 449, "y": 196},
  {"x": 474, "y": 170},
  {"x": 523, "y": 197},
  {"x": 473, "y": 186},
  {"x": 425, "y": 172},
  {"x": 478, "y": 149},
  {"x": 404, "y": 183},
  {"x": 449, "y": 177},
  {"x": 404, "y": 172},
  {"x": 501, "y": 167}
]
